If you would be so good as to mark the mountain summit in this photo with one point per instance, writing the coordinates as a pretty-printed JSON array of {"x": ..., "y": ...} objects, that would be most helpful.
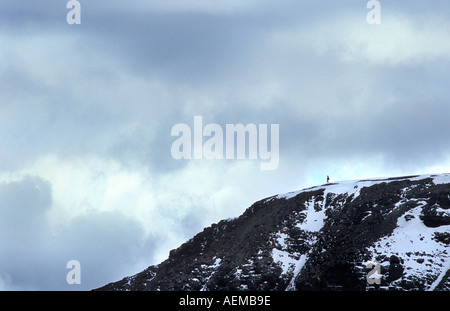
[{"x": 375, "y": 234}]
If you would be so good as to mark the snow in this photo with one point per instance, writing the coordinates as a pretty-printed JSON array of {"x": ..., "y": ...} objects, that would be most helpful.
[
  {"x": 291, "y": 264},
  {"x": 287, "y": 261},
  {"x": 350, "y": 187},
  {"x": 446, "y": 267},
  {"x": 437, "y": 178},
  {"x": 212, "y": 268},
  {"x": 314, "y": 219},
  {"x": 354, "y": 186},
  {"x": 413, "y": 242},
  {"x": 284, "y": 259},
  {"x": 216, "y": 263}
]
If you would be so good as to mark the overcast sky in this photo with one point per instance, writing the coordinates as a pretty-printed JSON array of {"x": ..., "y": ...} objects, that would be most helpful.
[{"x": 86, "y": 113}]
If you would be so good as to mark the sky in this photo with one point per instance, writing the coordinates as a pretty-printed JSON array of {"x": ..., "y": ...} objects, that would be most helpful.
[{"x": 87, "y": 111}]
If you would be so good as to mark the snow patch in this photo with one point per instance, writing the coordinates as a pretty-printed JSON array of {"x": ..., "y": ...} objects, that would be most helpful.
[
  {"x": 413, "y": 242},
  {"x": 213, "y": 268},
  {"x": 314, "y": 220},
  {"x": 290, "y": 263}
]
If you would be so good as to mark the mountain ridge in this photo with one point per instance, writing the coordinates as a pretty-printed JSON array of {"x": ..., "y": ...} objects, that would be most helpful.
[{"x": 372, "y": 234}]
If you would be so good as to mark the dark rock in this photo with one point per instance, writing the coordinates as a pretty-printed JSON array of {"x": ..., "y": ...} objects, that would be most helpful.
[
  {"x": 395, "y": 269},
  {"x": 317, "y": 239},
  {"x": 409, "y": 217},
  {"x": 442, "y": 237}
]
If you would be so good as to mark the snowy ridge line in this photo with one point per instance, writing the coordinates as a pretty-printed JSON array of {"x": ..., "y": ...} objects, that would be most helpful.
[{"x": 353, "y": 186}]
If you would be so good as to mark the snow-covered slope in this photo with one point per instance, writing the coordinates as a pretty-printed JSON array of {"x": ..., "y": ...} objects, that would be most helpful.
[{"x": 376, "y": 234}]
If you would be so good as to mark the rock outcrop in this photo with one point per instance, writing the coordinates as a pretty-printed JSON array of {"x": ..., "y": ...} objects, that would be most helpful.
[{"x": 377, "y": 234}]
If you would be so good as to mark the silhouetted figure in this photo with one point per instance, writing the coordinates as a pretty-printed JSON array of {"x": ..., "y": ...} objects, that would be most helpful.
[{"x": 328, "y": 179}]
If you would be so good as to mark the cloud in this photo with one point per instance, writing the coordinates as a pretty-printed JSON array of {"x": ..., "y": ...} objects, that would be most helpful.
[
  {"x": 23, "y": 205},
  {"x": 36, "y": 246},
  {"x": 115, "y": 220},
  {"x": 399, "y": 41},
  {"x": 194, "y": 6},
  {"x": 86, "y": 115}
]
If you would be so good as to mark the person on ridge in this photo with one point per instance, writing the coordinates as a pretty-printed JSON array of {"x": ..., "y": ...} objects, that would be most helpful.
[{"x": 328, "y": 179}]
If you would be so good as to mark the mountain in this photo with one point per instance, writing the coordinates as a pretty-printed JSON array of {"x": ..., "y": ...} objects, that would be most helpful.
[{"x": 374, "y": 234}]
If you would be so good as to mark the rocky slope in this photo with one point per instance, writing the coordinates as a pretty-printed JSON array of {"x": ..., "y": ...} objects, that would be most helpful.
[{"x": 378, "y": 234}]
